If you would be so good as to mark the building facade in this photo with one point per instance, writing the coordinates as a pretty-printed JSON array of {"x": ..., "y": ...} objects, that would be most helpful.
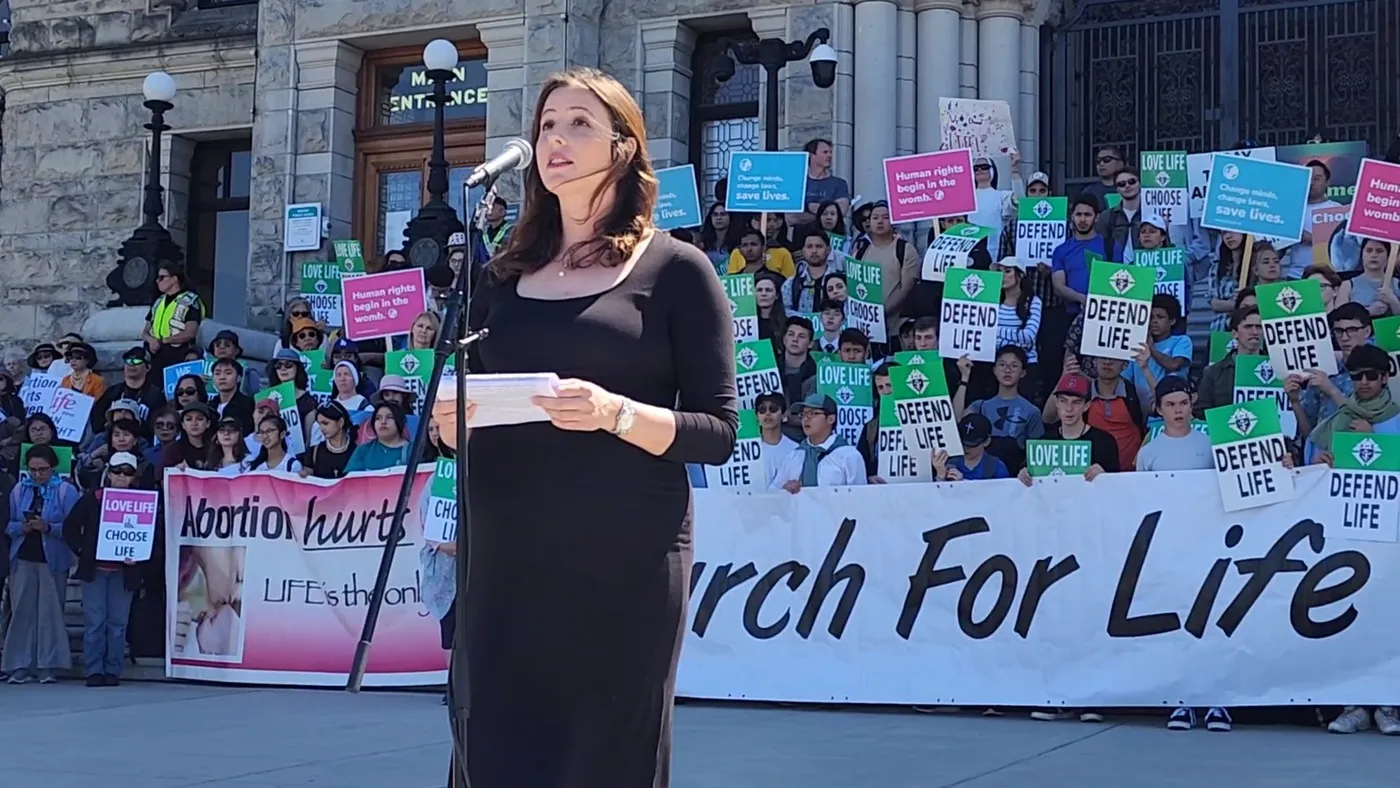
[{"x": 287, "y": 101}]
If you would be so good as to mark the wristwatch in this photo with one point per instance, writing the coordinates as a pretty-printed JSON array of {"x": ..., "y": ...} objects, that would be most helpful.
[{"x": 626, "y": 415}]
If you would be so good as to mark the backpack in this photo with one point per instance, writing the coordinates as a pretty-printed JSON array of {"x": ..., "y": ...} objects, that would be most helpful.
[{"x": 863, "y": 245}]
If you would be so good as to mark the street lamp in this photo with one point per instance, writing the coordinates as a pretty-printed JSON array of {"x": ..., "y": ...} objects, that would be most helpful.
[
  {"x": 773, "y": 54},
  {"x": 436, "y": 221},
  {"x": 150, "y": 245}
]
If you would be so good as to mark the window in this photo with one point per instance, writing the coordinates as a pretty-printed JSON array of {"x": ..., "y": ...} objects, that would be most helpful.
[
  {"x": 724, "y": 116},
  {"x": 403, "y": 91},
  {"x": 217, "y": 259}
]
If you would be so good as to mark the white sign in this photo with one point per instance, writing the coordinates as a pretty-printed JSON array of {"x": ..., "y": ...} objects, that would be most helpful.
[
  {"x": 1072, "y": 593},
  {"x": 302, "y": 228},
  {"x": 37, "y": 393},
  {"x": 127, "y": 525},
  {"x": 69, "y": 410}
]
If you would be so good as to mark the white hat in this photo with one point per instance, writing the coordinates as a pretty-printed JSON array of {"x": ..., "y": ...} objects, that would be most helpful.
[
  {"x": 1012, "y": 261},
  {"x": 123, "y": 458},
  {"x": 1155, "y": 219},
  {"x": 1039, "y": 177},
  {"x": 457, "y": 239}
]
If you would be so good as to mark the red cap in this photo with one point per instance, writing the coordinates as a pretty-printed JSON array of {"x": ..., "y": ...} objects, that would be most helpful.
[{"x": 1074, "y": 384}]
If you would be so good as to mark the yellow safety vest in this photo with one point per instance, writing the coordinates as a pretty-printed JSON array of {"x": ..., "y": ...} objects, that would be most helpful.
[{"x": 168, "y": 317}]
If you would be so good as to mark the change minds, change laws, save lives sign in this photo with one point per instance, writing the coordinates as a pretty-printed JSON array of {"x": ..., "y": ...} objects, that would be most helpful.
[
  {"x": 772, "y": 181},
  {"x": 1257, "y": 197},
  {"x": 677, "y": 198}
]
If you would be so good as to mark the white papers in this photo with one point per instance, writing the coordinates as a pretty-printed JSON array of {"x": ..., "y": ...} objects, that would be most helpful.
[{"x": 503, "y": 399}]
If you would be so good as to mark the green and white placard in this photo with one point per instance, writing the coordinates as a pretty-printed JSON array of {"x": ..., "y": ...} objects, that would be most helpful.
[
  {"x": 755, "y": 372},
  {"x": 1164, "y": 186},
  {"x": 1042, "y": 223},
  {"x": 896, "y": 462},
  {"x": 1364, "y": 488},
  {"x": 416, "y": 366},
  {"x": 968, "y": 315},
  {"x": 1295, "y": 327},
  {"x": 1386, "y": 331},
  {"x": 320, "y": 286},
  {"x": 440, "y": 521},
  {"x": 950, "y": 250},
  {"x": 1170, "y": 264},
  {"x": 854, "y": 391},
  {"x": 1255, "y": 379},
  {"x": 1058, "y": 458},
  {"x": 1221, "y": 343},
  {"x": 865, "y": 299},
  {"x": 919, "y": 357},
  {"x": 65, "y": 460},
  {"x": 318, "y": 378},
  {"x": 924, "y": 409},
  {"x": 744, "y": 470},
  {"x": 350, "y": 257},
  {"x": 1155, "y": 428},
  {"x": 742, "y": 306},
  {"x": 1117, "y": 310},
  {"x": 1247, "y": 444},
  {"x": 285, "y": 395}
]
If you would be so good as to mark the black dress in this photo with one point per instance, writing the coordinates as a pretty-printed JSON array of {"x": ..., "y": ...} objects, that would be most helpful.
[{"x": 581, "y": 546}]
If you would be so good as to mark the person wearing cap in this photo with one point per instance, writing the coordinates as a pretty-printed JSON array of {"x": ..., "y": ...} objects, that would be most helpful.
[
  {"x": 975, "y": 432},
  {"x": 306, "y": 334},
  {"x": 228, "y": 454},
  {"x": 995, "y": 205},
  {"x": 771, "y": 409},
  {"x": 497, "y": 228},
  {"x": 228, "y": 401},
  {"x": 108, "y": 586},
  {"x": 190, "y": 449},
  {"x": 138, "y": 385},
  {"x": 823, "y": 458},
  {"x": 394, "y": 390},
  {"x": 225, "y": 344},
  {"x": 263, "y": 409},
  {"x": 173, "y": 322},
  {"x": 1180, "y": 447},
  {"x": 1070, "y": 399},
  {"x": 36, "y": 643},
  {"x": 83, "y": 377},
  {"x": 1369, "y": 408}
]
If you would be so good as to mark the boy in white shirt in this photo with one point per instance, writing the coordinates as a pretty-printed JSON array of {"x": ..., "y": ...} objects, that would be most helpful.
[{"x": 823, "y": 458}]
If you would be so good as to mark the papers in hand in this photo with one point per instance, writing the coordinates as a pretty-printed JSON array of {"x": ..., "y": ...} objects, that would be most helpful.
[{"x": 503, "y": 399}]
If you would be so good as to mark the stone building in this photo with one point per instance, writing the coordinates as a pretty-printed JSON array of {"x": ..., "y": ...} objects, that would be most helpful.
[{"x": 292, "y": 101}]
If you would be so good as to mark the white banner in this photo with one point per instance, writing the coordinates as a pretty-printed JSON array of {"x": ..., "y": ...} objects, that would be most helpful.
[{"x": 1086, "y": 594}]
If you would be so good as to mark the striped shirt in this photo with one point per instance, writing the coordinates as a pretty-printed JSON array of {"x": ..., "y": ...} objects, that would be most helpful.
[{"x": 1011, "y": 332}]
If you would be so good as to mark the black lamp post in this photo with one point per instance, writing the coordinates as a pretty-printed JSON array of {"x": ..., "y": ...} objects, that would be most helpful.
[
  {"x": 773, "y": 54},
  {"x": 150, "y": 245},
  {"x": 429, "y": 231}
]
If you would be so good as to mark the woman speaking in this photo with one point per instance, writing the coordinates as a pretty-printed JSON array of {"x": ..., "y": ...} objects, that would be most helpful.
[{"x": 581, "y": 548}]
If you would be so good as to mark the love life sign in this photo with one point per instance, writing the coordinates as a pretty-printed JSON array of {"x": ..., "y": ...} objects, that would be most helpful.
[{"x": 128, "y": 524}]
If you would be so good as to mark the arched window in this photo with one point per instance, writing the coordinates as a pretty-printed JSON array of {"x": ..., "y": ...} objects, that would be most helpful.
[{"x": 723, "y": 115}]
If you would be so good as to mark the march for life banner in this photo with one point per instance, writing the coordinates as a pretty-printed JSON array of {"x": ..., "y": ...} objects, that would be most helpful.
[
  {"x": 1133, "y": 590},
  {"x": 270, "y": 576}
]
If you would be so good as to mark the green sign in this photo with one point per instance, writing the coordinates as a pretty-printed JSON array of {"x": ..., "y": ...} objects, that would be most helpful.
[
  {"x": 317, "y": 376},
  {"x": 950, "y": 250},
  {"x": 1255, "y": 379},
  {"x": 865, "y": 299},
  {"x": 1170, "y": 264},
  {"x": 1296, "y": 332},
  {"x": 1155, "y": 428},
  {"x": 918, "y": 358},
  {"x": 320, "y": 286},
  {"x": 896, "y": 462},
  {"x": 755, "y": 372},
  {"x": 968, "y": 315},
  {"x": 1117, "y": 310},
  {"x": 850, "y": 385},
  {"x": 415, "y": 366},
  {"x": 1164, "y": 184},
  {"x": 440, "y": 521},
  {"x": 65, "y": 460},
  {"x": 1248, "y": 448},
  {"x": 1042, "y": 223},
  {"x": 745, "y": 468},
  {"x": 1365, "y": 451},
  {"x": 1221, "y": 343},
  {"x": 1364, "y": 488},
  {"x": 1058, "y": 458},
  {"x": 350, "y": 257},
  {"x": 742, "y": 306},
  {"x": 925, "y": 411}
]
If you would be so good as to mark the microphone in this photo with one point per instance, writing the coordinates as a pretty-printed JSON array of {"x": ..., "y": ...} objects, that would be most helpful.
[{"x": 517, "y": 156}]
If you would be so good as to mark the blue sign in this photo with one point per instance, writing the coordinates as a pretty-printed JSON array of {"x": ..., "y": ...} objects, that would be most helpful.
[
  {"x": 1256, "y": 197},
  {"x": 174, "y": 372},
  {"x": 773, "y": 181},
  {"x": 677, "y": 199}
]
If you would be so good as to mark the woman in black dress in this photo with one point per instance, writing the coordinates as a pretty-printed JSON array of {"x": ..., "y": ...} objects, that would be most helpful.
[{"x": 581, "y": 551}]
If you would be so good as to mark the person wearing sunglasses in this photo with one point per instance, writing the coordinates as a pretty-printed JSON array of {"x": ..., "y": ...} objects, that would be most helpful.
[
  {"x": 307, "y": 334},
  {"x": 1108, "y": 162},
  {"x": 138, "y": 385},
  {"x": 771, "y": 410},
  {"x": 42, "y": 357},
  {"x": 108, "y": 586},
  {"x": 1369, "y": 408},
  {"x": 190, "y": 390},
  {"x": 173, "y": 322},
  {"x": 226, "y": 345}
]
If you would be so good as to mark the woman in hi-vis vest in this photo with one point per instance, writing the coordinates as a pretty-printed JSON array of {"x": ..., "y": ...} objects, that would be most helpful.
[{"x": 174, "y": 318}]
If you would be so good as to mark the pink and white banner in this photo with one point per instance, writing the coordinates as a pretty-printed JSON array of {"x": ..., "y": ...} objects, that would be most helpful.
[{"x": 270, "y": 576}]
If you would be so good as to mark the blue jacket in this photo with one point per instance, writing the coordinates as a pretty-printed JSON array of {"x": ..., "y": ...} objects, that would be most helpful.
[{"x": 59, "y": 499}]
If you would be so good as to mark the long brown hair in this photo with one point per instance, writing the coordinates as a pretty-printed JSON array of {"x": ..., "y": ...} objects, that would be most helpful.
[{"x": 537, "y": 236}]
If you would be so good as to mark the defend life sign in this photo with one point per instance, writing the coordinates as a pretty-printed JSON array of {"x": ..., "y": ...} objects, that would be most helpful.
[
  {"x": 128, "y": 524},
  {"x": 1296, "y": 333},
  {"x": 1386, "y": 330},
  {"x": 924, "y": 409},
  {"x": 742, "y": 306},
  {"x": 865, "y": 299},
  {"x": 1117, "y": 310},
  {"x": 1247, "y": 444},
  {"x": 1364, "y": 487},
  {"x": 850, "y": 385},
  {"x": 1164, "y": 184},
  {"x": 744, "y": 469},
  {"x": 950, "y": 250},
  {"x": 897, "y": 463},
  {"x": 968, "y": 315},
  {"x": 756, "y": 372},
  {"x": 1042, "y": 223},
  {"x": 1255, "y": 380}
]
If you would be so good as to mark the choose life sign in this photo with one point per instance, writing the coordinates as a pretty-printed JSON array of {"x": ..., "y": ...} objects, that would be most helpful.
[
  {"x": 924, "y": 409},
  {"x": 743, "y": 308},
  {"x": 127, "y": 526},
  {"x": 865, "y": 299},
  {"x": 766, "y": 181},
  {"x": 950, "y": 250},
  {"x": 440, "y": 521},
  {"x": 756, "y": 372},
  {"x": 1296, "y": 332},
  {"x": 1364, "y": 487},
  {"x": 677, "y": 199},
  {"x": 1164, "y": 184},
  {"x": 1170, "y": 266},
  {"x": 968, "y": 315},
  {"x": 1247, "y": 445},
  {"x": 1257, "y": 197},
  {"x": 1042, "y": 223},
  {"x": 851, "y": 387},
  {"x": 1117, "y": 310},
  {"x": 744, "y": 470}
]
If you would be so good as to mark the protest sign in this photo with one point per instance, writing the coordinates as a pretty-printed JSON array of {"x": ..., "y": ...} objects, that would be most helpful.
[
  {"x": 1155, "y": 428},
  {"x": 1198, "y": 172},
  {"x": 1364, "y": 488},
  {"x": 744, "y": 469},
  {"x": 382, "y": 305},
  {"x": 865, "y": 299},
  {"x": 1042, "y": 223},
  {"x": 127, "y": 526},
  {"x": 318, "y": 378},
  {"x": 896, "y": 462},
  {"x": 1170, "y": 265},
  {"x": 1255, "y": 379},
  {"x": 743, "y": 309},
  {"x": 65, "y": 460},
  {"x": 1376, "y": 210},
  {"x": 1164, "y": 184},
  {"x": 677, "y": 199},
  {"x": 1325, "y": 224},
  {"x": 285, "y": 395},
  {"x": 1296, "y": 332},
  {"x": 440, "y": 521},
  {"x": 320, "y": 286},
  {"x": 1221, "y": 343},
  {"x": 36, "y": 393},
  {"x": 851, "y": 387},
  {"x": 1046, "y": 458},
  {"x": 919, "y": 358},
  {"x": 415, "y": 366},
  {"x": 174, "y": 372},
  {"x": 982, "y": 125},
  {"x": 766, "y": 181},
  {"x": 1342, "y": 160},
  {"x": 920, "y": 398},
  {"x": 1254, "y": 197},
  {"x": 1247, "y": 444},
  {"x": 968, "y": 315},
  {"x": 70, "y": 411},
  {"x": 350, "y": 257},
  {"x": 1386, "y": 332},
  {"x": 756, "y": 372},
  {"x": 1117, "y": 311},
  {"x": 930, "y": 185},
  {"x": 950, "y": 250}
]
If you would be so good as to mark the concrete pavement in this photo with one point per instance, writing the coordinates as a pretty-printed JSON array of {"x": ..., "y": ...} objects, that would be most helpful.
[{"x": 159, "y": 735}]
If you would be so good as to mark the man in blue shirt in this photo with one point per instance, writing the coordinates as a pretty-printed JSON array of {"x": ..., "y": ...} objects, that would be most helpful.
[{"x": 1069, "y": 263}]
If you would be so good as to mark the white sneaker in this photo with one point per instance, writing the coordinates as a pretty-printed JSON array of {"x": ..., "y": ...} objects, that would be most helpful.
[
  {"x": 1353, "y": 720},
  {"x": 1089, "y": 715},
  {"x": 1387, "y": 721},
  {"x": 1052, "y": 715}
]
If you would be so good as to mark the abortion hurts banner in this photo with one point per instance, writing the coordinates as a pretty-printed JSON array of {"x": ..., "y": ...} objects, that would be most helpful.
[{"x": 271, "y": 577}]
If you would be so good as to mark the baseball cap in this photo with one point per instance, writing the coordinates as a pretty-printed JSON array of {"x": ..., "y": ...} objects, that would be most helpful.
[
  {"x": 123, "y": 458},
  {"x": 266, "y": 402},
  {"x": 229, "y": 422},
  {"x": 1039, "y": 177},
  {"x": 1171, "y": 384},
  {"x": 137, "y": 355},
  {"x": 198, "y": 407},
  {"x": 820, "y": 402},
  {"x": 1155, "y": 219},
  {"x": 774, "y": 397},
  {"x": 974, "y": 429},
  {"x": 129, "y": 405},
  {"x": 301, "y": 324},
  {"x": 344, "y": 345},
  {"x": 1073, "y": 384}
]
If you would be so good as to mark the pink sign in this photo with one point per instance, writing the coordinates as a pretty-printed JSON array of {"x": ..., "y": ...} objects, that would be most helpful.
[
  {"x": 930, "y": 185},
  {"x": 128, "y": 524},
  {"x": 1375, "y": 212},
  {"x": 382, "y": 305}
]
